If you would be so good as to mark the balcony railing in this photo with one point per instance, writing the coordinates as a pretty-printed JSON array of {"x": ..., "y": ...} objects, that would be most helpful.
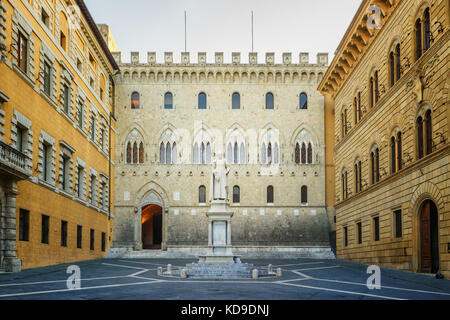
[{"x": 13, "y": 162}]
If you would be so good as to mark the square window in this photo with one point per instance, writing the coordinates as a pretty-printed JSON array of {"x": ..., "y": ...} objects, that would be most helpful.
[
  {"x": 398, "y": 223},
  {"x": 79, "y": 65},
  {"x": 45, "y": 18},
  {"x": 63, "y": 233},
  {"x": 103, "y": 241},
  {"x": 359, "y": 232},
  {"x": 376, "y": 228},
  {"x": 46, "y": 155},
  {"x": 22, "y": 52},
  {"x": 47, "y": 77},
  {"x": 92, "y": 233},
  {"x": 345, "y": 236},
  {"x": 79, "y": 236},
  {"x": 24, "y": 225},
  {"x": 20, "y": 136},
  {"x": 45, "y": 229},
  {"x": 66, "y": 98}
]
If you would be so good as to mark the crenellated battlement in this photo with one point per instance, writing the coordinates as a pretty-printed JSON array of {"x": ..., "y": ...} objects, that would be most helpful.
[{"x": 322, "y": 59}]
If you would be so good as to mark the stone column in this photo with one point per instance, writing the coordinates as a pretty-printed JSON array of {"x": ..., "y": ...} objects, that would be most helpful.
[
  {"x": 210, "y": 239},
  {"x": 229, "y": 232},
  {"x": 11, "y": 262}
]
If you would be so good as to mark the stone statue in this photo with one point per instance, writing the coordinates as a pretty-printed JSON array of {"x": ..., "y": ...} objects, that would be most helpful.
[{"x": 219, "y": 182}]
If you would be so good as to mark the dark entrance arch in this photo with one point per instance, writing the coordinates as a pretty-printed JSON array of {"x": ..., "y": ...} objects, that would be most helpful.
[
  {"x": 429, "y": 238},
  {"x": 151, "y": 227}
]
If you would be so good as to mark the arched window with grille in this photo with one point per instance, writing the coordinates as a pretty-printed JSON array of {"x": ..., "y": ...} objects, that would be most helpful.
[
  {"x": 428, "y": 133},
  {"x": 202, "y": 101},
  {"x": 303, "y": 153},
  {"x": 168, "y": 100},
  {"x": 426, "y": 30},
  {"x": 174, "y": 153},
  {"x": 270, "y": 194},
  {"x": 135, "y": 100},
  {"x": 419, "y": 129},
  {"x": 269, "y": 153},
  {"x": 270, "y": 101},
  {"x": 168, "y": 153},
  {"x": 135, "y": 153},
  {"x": 242, "y": 156},
  {"x": 418, "y": 30},
  {"x": 203, "y": 153},
  {"x": 236, "y": 101},
  {"x": 202, "y": 194},
  {"x": 358, "y": 176},
  {"x": 162, "y": 153},
  {"x": 398, "y": 61},
  {"x": 310, "y": 154},
  {"x": 263, "y": 153},
  {"x": 304, "y": 195},
  {"x": 196, "y": 154},
  {"x": 392, "y": 68},
  {"x": 141, "y": 153},
  {"x": 393, "y": 156},
  {"x": 129, "y": 159},
  {"x": 276, "y": 154},
  {"x": 236, "y": 194},
  {"x": 399, "y": 151},
  {"x": 375, "y": 165},
  {"x": 303, "y": 101}
]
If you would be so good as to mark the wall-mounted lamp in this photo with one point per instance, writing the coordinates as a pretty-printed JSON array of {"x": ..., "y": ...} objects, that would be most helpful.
[{"x": 441, "y": 27}]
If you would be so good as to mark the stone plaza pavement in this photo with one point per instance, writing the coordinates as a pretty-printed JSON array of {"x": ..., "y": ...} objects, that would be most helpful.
[{"x": 137, "y": 279}]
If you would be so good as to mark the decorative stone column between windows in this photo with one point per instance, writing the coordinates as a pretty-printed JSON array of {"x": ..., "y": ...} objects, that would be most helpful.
[{"x": 10, "y": 261}]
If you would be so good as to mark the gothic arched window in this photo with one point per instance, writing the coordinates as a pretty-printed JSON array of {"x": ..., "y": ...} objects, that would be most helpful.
[
  {"x": 202, "y": 101},
  {"x": 270, "y": 194},
  {"x": 196, "y": 155},
  {"x": 202, "y": 194},
  {"x": 304, "y": 194},
  {"x": 135, "y": 153},
  {"x": 303, "y": 101},
  {"x": 174, "y": 153},
  {"x": 162, "y": 154},
  {"x": 310, "y": 160},
  {"x": 168, "y": 154},
  {"x": 129, "y": 152},
  {"x": 236, "y": 101},
  {"x": 297, "y": 153},
  {"x": 168, "y": 101},
  {"x": 141, "y": 153},
  {"x": 263, "y": 153},
  {"x": 135, "y": 100},
  {"x": 242, "y": 155},
  {"x": 269, "y": 101},
  {"x": 303, "y": 153},
  {"x": 236, "y": 194},
  {"x": 236, "y": 153}
]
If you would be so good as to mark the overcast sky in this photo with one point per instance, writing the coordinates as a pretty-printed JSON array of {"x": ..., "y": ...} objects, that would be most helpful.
[{"x": 225, "y": 26}]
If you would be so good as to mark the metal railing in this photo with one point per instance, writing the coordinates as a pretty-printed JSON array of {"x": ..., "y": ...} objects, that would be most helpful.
[{"x": 12, "y": 157}]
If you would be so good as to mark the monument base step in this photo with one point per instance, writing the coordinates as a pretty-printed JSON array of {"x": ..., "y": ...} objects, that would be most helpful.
[{"x": 250, "y": 252}]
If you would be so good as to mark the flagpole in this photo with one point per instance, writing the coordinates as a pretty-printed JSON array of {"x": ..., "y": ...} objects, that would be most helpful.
[{"x": 252, "y": 32}]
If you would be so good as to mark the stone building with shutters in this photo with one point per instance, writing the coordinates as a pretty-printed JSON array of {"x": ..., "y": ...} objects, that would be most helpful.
[
  {"x": 388, "y": 89},
  {"x": 267, "y": 121},
  {"x": 55, "y": 129}
]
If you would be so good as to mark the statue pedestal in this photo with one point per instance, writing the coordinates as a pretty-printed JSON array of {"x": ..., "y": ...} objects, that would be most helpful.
[{"x": 219, "y": 235}]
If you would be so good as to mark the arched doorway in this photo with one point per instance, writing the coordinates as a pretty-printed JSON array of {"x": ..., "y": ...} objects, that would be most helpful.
[
  {"x": 152, "y": 227},
  {"x": 429, "y": 237}
]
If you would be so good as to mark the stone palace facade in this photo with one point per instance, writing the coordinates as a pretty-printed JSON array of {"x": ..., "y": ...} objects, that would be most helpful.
[{"x": 268, "y": 122}]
